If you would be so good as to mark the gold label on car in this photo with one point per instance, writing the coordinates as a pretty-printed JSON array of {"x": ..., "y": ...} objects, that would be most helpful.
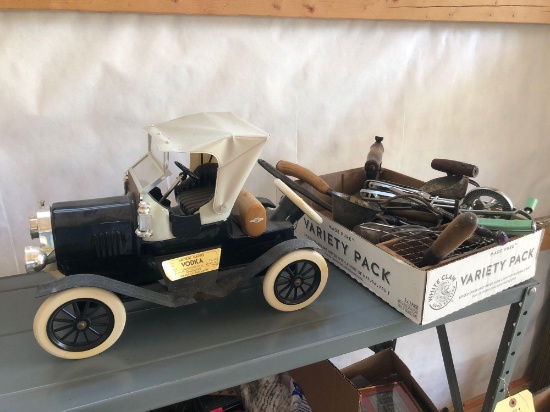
[{"x": 191, "y": 265}]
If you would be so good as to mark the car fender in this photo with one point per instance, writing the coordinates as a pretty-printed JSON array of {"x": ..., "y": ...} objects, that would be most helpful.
[
  {"x": 166, "y": 298},
  {"x": 102, "y": 282},
  {"x": 276, "y": 252}
]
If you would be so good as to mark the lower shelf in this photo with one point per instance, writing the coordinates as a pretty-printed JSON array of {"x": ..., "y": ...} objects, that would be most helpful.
[{"x": 168, "y": 355}]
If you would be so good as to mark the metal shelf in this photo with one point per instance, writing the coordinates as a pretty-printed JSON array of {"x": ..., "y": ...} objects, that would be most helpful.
[{"x": 168, "y": 355}]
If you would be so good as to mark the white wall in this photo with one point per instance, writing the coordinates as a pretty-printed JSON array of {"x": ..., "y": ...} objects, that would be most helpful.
[{"x": 76, "y": 90}]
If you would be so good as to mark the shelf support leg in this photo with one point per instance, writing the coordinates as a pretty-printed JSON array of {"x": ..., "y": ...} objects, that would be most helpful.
[
  {"x": 512, "y": 336},
  {"x": 449, "y": 368}
]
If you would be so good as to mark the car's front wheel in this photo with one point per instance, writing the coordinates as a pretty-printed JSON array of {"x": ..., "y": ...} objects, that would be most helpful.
[
  {"x": 79, "y": 323},
  {"x": 295, "y": 280}
]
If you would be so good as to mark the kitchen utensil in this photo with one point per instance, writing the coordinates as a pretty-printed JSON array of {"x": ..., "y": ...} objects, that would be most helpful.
[
  {"x": 511, "y": 227},
  {"x": 484, "y": 200},
  {"x": 455, "y": 167},
  {"x": 499, "y": 236},
  {"x": 374, "y": 159},
  {"x": 379, "y": 232},
  {"x": 530, "y": 204},
  {"x": 293, "y": 185},
  {"x": 298, "y": 201},
  {"x": 456, "y": 232},
  {"x": 378, "y": 189},
  {"x": 455, "y": 184},
  {"x": 348, "y": 210},
  {"x": 457, "y": 237}
]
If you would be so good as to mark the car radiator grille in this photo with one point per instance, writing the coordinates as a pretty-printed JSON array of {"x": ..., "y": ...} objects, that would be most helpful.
[{"x": 107, "y": 244}]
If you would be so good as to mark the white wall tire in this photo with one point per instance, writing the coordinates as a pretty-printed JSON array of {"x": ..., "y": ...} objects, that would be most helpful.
[
  {"x": 295, "y": 280},
  {"x": 79, "y": 323}
]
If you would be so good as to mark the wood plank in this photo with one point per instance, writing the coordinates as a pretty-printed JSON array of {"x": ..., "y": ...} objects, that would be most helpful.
[
  {"x": 511, "y": 11},
  {"x": 545, "y": 243},
  {"x": 476, "y": 404}
]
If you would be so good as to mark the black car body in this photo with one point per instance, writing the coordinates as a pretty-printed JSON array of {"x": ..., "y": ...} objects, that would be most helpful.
[{"x": 200, "y": 239}]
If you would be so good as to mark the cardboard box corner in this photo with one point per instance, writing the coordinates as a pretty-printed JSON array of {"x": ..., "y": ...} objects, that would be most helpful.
[{"x": 328, "y": 389}]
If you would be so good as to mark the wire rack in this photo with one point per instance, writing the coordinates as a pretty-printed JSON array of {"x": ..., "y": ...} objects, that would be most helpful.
[{"x": 411, "y": 246}]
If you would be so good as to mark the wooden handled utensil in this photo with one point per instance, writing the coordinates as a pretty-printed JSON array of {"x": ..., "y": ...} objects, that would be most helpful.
[
  {"x": 456, "y": 232},
  {"x": 348, "y": 210},
  {"x": 454, "y": 167},
  {"x": 374, "y": 159},
  {"x": 293, "y": 185},
  {"x": 305, "y": 175},
  {"x": 455, "y": 184}
]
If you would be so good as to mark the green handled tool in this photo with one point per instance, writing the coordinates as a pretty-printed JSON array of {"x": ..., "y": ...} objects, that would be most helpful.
[{"x": 511, "y": 227}]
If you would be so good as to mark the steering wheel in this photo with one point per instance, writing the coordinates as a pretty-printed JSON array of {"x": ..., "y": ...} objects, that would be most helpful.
[{"x": 187, "y": 172}]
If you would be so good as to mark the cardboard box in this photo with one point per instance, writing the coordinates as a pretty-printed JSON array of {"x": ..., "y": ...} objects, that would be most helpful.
[
  {"x": 328, "y": 389},
  {"x": 423, "y": 295}
]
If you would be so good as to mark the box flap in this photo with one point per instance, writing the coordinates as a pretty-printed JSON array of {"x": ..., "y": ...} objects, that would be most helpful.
[
  {"x": 391, "y": 176},
  {"x": 386, "y": 367},
  {"x": 375, "y": 368},
  {"x": 325, "y": 388}
]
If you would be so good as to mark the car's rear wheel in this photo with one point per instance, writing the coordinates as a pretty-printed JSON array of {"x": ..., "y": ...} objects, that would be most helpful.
[
  {"x": 79, "y": 323},
  {"x": 295, "y": 280}
]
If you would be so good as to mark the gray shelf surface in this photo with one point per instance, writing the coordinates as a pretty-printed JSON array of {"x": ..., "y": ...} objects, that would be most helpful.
[{"x": 167, "y": 355}]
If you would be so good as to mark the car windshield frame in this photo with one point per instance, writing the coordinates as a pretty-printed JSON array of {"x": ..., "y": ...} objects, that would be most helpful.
[{"x": 149, "y": 171}]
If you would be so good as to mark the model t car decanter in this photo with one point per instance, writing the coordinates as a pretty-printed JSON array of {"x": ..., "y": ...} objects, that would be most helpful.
[{"x": 210, "y": 238}]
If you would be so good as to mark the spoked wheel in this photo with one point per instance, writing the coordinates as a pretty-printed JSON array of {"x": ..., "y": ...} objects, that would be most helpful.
[
  {"x": 295, "y": 280},
  {"x": 79, "y": 323}
]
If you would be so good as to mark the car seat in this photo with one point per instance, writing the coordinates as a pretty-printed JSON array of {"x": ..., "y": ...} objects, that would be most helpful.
[{"x": 192, "y": 194}]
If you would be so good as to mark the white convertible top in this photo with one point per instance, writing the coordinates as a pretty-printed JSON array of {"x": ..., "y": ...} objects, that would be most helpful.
[{"x": 234, "y": 142}]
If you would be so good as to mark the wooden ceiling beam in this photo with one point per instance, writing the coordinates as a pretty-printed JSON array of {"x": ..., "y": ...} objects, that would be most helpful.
[{"x": 497, "y": 11}]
